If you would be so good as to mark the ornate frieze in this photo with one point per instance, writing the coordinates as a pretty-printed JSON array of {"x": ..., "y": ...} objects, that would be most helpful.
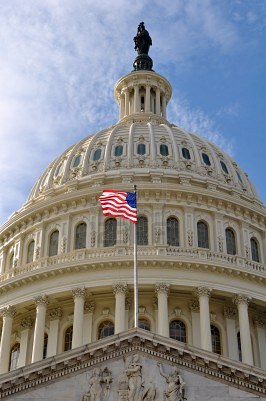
[
  {"x": 162, "y": 288},
  {"x": 89, "y": 306},
  {"x": 26, "y": 323},
  {"x": 120, "y": 288},
  {"x": 8, "y": 311},
  {"x": 230, "y": 312},
  {"x": 78, "y": 292},
  {"x": 55, "y": 313},
  {"x": 41, "y": 300}
]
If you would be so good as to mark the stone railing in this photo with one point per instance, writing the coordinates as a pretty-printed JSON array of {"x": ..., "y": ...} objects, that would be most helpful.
[{"x": 158, "y": 252}]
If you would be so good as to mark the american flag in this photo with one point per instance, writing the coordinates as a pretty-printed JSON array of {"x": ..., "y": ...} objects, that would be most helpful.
[{"x": 119, "y": 204}]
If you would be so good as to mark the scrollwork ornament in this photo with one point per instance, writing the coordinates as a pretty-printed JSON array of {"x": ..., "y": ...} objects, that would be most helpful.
[
  {"x": 8, "y": 311},
  {"x": 41, "y": 300},
  {"x": 162, "y": 288},
  {"x": 230, "y": 312},
  {"x": 93, "y": 238},
  {"x": 78, "y": 292},
  {"x": 220, "y": 243},
  {"x": 194, "y": 306},
  {"x": 89, "y": 307},
  {"x": 55, "y": 314},
  {"x": 27, "y": 323},
  {"x": 120, "y": 288}
]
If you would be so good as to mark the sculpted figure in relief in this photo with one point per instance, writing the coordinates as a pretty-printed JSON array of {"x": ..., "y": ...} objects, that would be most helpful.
[
  {"x": 99, "y": 385},
  {"x": 176, "y": 385},
  {"x": 134, "y": 374}
]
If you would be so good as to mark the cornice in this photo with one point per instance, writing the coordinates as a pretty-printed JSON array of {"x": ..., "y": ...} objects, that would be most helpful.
[{"x": 204, "y": 363}]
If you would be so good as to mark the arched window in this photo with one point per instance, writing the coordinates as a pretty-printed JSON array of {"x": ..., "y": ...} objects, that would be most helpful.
[
  {"x": 206, "y": 159},
  {"x": 144, "y": 324},
  {"x": 45, "y": 345},
  {"x": 164, "y": 150},
  {"x": 186, "y": 153},
  {"x": 142, "y": 230},
  {"x": 118, "y": 150},
  {"x": 172, "y": 231},
  {"x": 106, "y": 329},
  {"x": 177, "y": 331},
  {"x": 224, "y": 167},
  {"x": 97, "y": 154},
  {"x": 30, "y": 252},
  {"x": 254, "y": 250},
  {"x": 53, "y": 243},
  {"x": 77, "y": 160},
  {"x": 68, "y": 338},
  {"x": 239, "y": 347},
  {"x": 216, "y": 340},
  {"x": 203, "y": 235},
  {"x": 14, "y": 355},
  {"x": 230, "y": 241},
  {"x": 80, "y": 236},
  {"x": 141, "y": 149},
  {"x": 110, "y": 228}
]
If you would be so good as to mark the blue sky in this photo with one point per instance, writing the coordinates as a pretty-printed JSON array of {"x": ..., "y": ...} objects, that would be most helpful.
[{"x": 60, "y": 60}]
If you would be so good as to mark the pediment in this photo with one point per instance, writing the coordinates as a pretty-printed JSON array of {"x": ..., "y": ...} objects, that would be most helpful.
[{"x": 135, "y": 366}]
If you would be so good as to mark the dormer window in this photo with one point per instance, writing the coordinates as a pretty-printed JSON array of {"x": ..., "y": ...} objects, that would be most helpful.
[
  {"x": 97, "y": 154},
  {"x": 118, "y": 150},
  {"x": 186, "y": 153},
  {"x": 164, "y": 150},
  {"x": 141, "y": 149},
  {"x": 206, "y": 159}
]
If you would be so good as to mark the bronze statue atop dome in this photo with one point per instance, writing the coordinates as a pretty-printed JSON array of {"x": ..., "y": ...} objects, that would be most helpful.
[
  {"x": 142, "y": 44},
  {"x": 142, "y": 40}
]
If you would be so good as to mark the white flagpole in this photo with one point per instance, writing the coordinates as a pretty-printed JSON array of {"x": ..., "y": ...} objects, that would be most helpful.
[{"x": 136, "y": 307}]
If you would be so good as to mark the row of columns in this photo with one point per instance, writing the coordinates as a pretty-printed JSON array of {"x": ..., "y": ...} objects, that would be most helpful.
[
  {"x": 120, "y": 291},
  {"x": 159, "y": 107}
]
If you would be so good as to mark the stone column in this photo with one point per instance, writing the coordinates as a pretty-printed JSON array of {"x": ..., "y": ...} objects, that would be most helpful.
[
  {"x": 8, "y": 313},
  {"x": 158, "y": 102},
  {"x": 126, "y": 102},
  {"x": 120, "y": 290},
  {"x": 195, "y": 315},
  {"x": 136, "y": 99},
  {"x": 242, "y": 302},
  {"x": 89, "y": 309},
  {"x": 79, "y": 299},
  {"x": 230, "y": 314},
  {"x": 54, "y": 315},
  {"x": 260, "y": 323},
  {"x": 41, "y": 303},
  {"x": 148, "y": 99},
  {"x": 164, "y": 106},
  {"x": 162, "y": 290},
  {"x": 203, "y": 294},
  {"x": 26, "y": 325}
]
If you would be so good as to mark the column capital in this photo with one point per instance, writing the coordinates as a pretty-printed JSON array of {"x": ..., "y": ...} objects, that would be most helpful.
[
  {"x": 260, "y": 321},
  {"x": 162, "y": 288},
  {"x": 89, "y": 307},
  {"x": 241, "y": 299},
  {"x": 230, "y": 312},
  {"x": 78, "y": 292},
  {"x": 8, "y": 311},
  {"x": 120, "y": 288},
  {"x": 26, "y": 323},
  {"x": 194, "y": 306},
  {"x": 41, "y": 300},
  {"x": 203, "y": 292},
  {"x": 55, "y": 314}
]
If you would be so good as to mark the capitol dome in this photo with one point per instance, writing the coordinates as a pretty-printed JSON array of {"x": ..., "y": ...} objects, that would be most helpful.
[{"x": 66, "y": 271}]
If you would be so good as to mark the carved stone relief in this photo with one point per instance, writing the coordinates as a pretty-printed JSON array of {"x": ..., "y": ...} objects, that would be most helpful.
[{"x": 99, "y": 385}]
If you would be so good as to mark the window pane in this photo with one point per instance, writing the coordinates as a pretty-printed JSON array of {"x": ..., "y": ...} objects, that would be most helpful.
[
  {"x": 206, "y": 159},
  {"x": 118, "y": 150},
  {"x": 223, "y": 165},
  {"x": 142, "y": 231},
  {"x": 141, "y": 150},
  {"x": 186, "y": 153},
  {"x": 77, "y": 161},
  {"x": 144, "y": 324},
  {"x": 106, "y": 329},
  {"x": 68, "y": 339},
  {"x": 110, "y": 228},
  {"x": 30, "y": 252},
  {"x": 239, "y": 177},
  {"x": 230, "y": 242},
  {"x": 80, "y": 237},
  {"x": 216, "y": 340},
  {"x": 172, "y": 232},
  {"x": 178, "y": 331},
  {"x": 14, "y": 355},
  {"x": 164, "y": 150},
  {"x": 53, "y": 245},
  {"x": 97, "y": 154},
  {"x": 203, "y": 237},
  {"x": 59, "y": 169},
  {"x": 254, "y": 250}
]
